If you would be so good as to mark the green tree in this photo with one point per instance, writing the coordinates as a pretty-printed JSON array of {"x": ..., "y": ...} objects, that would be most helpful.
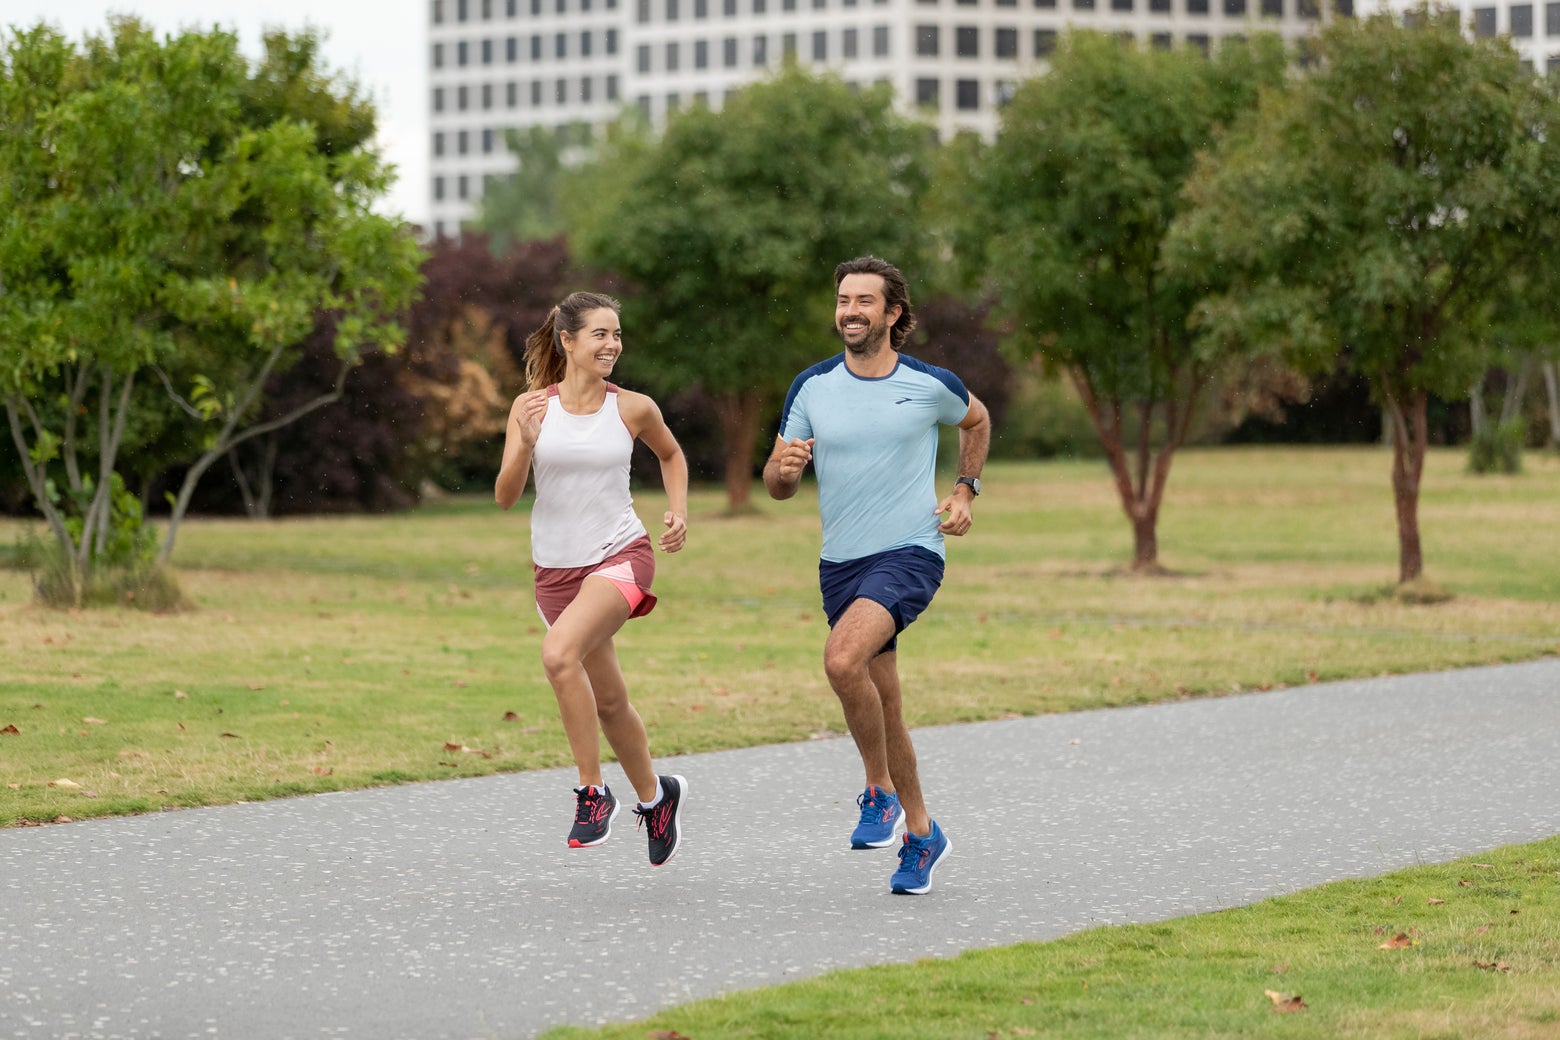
[
  {"x": 162, "y": 211},
  {"x": 526, "y": 206},
  {"x": 1377, "y": 209},
  {"x": 1072, "y": 205},
  {"x": 730, "y": 225}
]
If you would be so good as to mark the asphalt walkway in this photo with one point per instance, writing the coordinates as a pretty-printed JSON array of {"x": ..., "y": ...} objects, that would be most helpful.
[{"x": 454, "y": 910}]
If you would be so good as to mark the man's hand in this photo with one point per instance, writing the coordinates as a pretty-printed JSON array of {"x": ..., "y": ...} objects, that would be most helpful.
[
  {"x": 794, "y": 459},
  {"x": 957, "y": 506}
]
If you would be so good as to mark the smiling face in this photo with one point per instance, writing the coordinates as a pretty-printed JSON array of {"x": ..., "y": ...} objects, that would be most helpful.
[
  {"x": 862, "y": 317},
  {"x": 597, "y": 345}
]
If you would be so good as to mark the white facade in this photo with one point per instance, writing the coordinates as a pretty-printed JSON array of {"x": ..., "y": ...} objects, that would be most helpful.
[
  {"x": 500, "y": 64},
  {"x": 1534, "y": 28}
]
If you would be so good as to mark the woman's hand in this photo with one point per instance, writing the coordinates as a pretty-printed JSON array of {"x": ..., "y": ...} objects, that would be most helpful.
[{"x": 676, "y": 535}]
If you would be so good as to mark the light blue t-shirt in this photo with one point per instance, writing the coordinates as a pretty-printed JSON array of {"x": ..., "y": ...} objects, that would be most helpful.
[{"x": 875, "y": 451}]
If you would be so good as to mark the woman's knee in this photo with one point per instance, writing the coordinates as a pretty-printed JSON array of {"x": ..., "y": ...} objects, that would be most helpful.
[{"x": 559, "y": 658}]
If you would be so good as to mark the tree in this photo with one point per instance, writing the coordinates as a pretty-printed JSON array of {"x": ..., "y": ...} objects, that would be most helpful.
[
  {"x": 1376, "y": 210},
  {"x": 1073, "y": 202},
  {"x": 526, "y": 206},
  {"x": 729, "y": 227},
  {"x": 166, "y": 208}
]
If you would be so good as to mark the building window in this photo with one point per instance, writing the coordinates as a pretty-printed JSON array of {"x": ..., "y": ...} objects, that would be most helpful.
[
  {"x": 461, "y": 99},
  {"x": 728, "y": 49},
  {"x": 462, "y": 143},
  {"x": 849, "y": 47},
  {"x": 438, "y": 189},
  {"x": 511, "y": 8},
  {"x": 644, "y": 12},
  {"x": 487, "y": 52},
  {"x": 560, "y": 45},
  {"x": 729, "y": 8},
  {"x": 463, "y": 187},
  {"x": 611, "y": 41},
  {"x": 788, "y": 45},
  {"x": 820, "y": 46},
  {"x": 460, "y": 10},
  {"x": 487, "y": 96},
  {"x": 438, "y": 55},
  {"x": 585, "y": 90},
  {"x": 1007, "y": 43},
  {"x": 438, "y": 12},
  {"x": 1484, "y": 21},
  {"x": 1160, "y": 41},
  {"x": 1552, "y": 19},
  {"x": 673, "y": 55},
  {"x": 759, "y": 6},
  {"x": 1199, "y": 41},
  {"x": 536, "y": 93},
  {"x": 612, "y": 86},
  {"x": 926, "y": 93},
  {"x": 438, "y": 144},
  {"x": 880, "y": 41},
  {"x": 701, "y": 9},
  {"x": 1272, "y": 8},
  {"x": 1521, "y": 20},
  {"x": 462, "y": 53},
  {"x": 561, "y": 91},
  {"x": 1121, "y": 5},
  {"x": 512, "y": 94},
  {"x": 1049, "y": 5},
  {"x": 585, "y": 44},
  {"x": 701, "y": 54},
  {"x": 967, "y": 94},
  {"x": 1196, "y": 6},
  {"x": 787, "y": 5},
  {"x": 966, "y": 41},
  {"x": 1083, "y": 5},
  {"x": 536, "y": 47},
  {"x": 1045, "y": 42},
  {"x": 487, "y": 141},
  {"x": 673, "y": 102},
  {"x": 671, "y": 10},
  {"x": 487, "y": 10},
  {"x": 512, "y": 49},
  {"x": 1234, "y": 8},
  {"x": 926, "y": 41},
  {"x": 760, "y": 50},
  {"x": 644, "y": 57},
  {"x": 438, "y": 99}
]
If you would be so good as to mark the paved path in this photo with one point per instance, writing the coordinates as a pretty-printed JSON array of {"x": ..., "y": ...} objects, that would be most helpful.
[{"x": 453, "y": 910}]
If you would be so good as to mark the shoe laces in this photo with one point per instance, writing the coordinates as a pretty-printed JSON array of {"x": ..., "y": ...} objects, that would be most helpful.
[
  {"x": 657, "y": 817},
  {"x": 874, "y": 803},
  {"x": 585, "y": 808}
]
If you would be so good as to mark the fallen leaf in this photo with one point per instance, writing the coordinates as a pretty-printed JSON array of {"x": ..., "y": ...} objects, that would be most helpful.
[
  {"x": 1437, "y": 902},
  {"x": 63, "y": 783},
  {"x": 322, "y": 770},
  {"x": 179, "y": 695},
  {"x": 232, "y": 735},
  {"x": 454, "y": 747},
  {"x": 1482, "y": 929},
  {"x": 1400, "y": 941},
  {"x": 1485, "y": 866},
  {"x": 1500, "y": 966},
  {"x": 1283, "y": 1003},
  {"x": 95, "y": 721},
  {"x": 255, "y": 686},
  {"x": 1464, "y": 883},
  {"x": 11, "y": 730},
  {"x": 510, "y": 716}
]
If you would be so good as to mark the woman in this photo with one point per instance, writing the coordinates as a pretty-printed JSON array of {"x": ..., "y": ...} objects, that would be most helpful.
[{"x": 593, "y": 558}]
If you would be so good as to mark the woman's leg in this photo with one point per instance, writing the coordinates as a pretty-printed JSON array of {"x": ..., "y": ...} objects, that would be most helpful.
[
  {"x": 620, "y": 723},
  {"x": 584, "y": 627}
]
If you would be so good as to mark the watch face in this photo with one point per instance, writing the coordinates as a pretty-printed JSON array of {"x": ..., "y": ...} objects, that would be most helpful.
[{"x": 973, "y": 482}]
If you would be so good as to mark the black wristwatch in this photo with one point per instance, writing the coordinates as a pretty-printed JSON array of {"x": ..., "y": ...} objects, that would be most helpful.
[{"x": 973, "y": 482}]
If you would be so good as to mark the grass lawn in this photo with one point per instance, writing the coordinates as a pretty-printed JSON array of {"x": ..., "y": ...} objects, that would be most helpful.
[
  {"x": 328, "y": 653},
  {"x": 1469, "y": 949}
]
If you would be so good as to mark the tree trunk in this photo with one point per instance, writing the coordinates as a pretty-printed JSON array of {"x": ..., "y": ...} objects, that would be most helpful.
[
  {"x": 1552, "y": 384},
  {"x": 1476, "y": 418},
  {"x": 1411, "y": 431},
  {"x": 739, "y": 413}
]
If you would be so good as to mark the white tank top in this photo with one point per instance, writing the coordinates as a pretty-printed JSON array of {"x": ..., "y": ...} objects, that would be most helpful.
[{"x": 583, "y": 511}]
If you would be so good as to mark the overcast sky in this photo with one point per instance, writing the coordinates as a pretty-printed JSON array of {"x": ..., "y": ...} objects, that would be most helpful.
[{"x": 379, "y": 43}]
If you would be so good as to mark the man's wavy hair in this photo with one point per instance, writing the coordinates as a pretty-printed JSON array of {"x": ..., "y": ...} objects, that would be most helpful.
[{"x": 895, "y": 293}]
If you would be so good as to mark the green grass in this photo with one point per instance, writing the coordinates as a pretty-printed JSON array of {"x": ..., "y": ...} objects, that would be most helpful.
[
  {"x": 1479, "y": 959},
  {"x": 330, "y": 653}
]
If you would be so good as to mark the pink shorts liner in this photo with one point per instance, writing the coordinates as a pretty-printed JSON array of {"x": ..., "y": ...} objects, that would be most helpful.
[{"x": 630, "y": 571}]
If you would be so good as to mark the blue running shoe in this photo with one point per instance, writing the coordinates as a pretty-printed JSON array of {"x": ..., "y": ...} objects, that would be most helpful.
[
  {"x": 881, "y": 816},
  {"x": 918, "y": 857}
]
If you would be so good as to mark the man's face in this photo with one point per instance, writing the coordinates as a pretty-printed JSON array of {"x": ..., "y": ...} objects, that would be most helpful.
[{"x": 861, "y": 316}]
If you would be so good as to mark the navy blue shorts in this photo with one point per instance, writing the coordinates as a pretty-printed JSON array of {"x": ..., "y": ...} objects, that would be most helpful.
[{"x": 902, "y": 581}]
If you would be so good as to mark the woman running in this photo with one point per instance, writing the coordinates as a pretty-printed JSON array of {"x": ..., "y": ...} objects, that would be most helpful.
[{"x": 593, "y": 558}]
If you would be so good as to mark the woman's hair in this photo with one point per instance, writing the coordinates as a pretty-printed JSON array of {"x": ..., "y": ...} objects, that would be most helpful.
[
  {"x": 895, "y": 293},
  {"x": 544, "y": 357}
]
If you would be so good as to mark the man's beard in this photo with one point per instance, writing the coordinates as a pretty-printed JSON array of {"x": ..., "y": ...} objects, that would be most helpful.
[{"x": 869, "y": 344}]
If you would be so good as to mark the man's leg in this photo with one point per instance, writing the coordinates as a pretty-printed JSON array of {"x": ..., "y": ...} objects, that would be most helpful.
[
  {"x": 900, "y": 752},
  {"x": 854, "y": 641}
]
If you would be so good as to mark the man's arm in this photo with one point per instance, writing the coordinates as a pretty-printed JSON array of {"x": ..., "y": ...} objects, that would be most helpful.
[
  {"x": 974, "y": 444},
  {"x": 783, "y": 471}
]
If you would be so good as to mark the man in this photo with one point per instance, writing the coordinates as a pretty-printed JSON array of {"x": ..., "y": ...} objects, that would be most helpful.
[{"x": 867, "y": 420}]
